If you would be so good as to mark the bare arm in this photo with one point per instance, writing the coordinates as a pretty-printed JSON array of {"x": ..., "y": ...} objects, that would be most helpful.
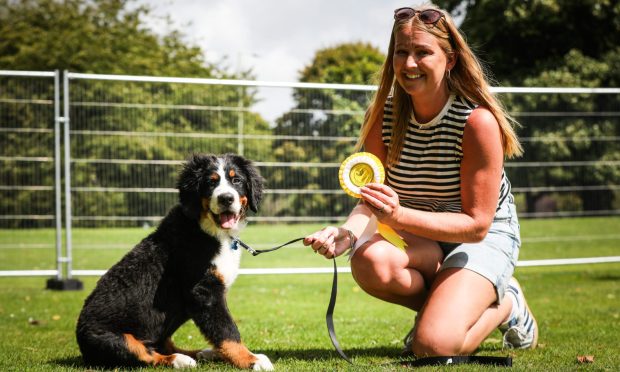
[
  {"x": 337, "y": 240},
  {"x": 481, "y": 169}
]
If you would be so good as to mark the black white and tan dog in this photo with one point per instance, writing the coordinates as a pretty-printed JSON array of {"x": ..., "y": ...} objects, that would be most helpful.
[{"x": 179, "y": 272}]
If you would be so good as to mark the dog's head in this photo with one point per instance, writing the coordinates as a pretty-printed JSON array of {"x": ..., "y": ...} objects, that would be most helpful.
[{"x": 217, "y": 191}]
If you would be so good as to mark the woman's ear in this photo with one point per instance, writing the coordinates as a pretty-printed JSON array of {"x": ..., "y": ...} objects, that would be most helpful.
[{"x": 451, "y": 60}]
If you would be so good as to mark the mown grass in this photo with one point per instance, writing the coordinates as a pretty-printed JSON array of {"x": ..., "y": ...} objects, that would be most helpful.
[{"x": 283, "y": 316}]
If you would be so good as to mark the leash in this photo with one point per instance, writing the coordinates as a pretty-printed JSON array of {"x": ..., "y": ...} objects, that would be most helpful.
[
  {"x": 329, "y": 316},
  {"x": 329, "y": 319}
]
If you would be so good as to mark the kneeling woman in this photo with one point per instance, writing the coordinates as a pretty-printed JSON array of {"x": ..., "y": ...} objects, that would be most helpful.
[{"x": 442, "y": 137}]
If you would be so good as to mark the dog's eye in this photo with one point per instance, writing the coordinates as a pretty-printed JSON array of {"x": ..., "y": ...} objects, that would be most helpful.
[{"x": 236, "y": 180}]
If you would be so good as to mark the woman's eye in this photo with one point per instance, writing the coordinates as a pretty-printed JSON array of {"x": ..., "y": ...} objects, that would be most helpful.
[{"x": 401, "y": 53}]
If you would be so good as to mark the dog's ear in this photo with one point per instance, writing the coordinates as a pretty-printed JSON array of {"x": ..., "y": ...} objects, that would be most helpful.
[
  {"x": 190, "y": 179},
  {"x": 255, "y": 181},
  {"x": 255, "y": 186}
]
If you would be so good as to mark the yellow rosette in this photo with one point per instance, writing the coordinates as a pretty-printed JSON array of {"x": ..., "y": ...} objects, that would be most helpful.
[{"x": 358, "y": 170}]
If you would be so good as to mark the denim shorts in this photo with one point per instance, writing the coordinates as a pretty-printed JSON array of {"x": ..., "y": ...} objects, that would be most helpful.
[{"x": 496, "y": 256}]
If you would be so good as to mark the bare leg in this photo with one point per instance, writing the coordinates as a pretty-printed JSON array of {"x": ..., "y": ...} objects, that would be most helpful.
[
  {"x": 459, "y": 314},
  {"x": 396, "y": 276}
]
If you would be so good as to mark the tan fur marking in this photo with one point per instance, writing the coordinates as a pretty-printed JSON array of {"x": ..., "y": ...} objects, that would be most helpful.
[
  {"x": 143, "y": 354},
  {"x": 243, "y": 200},
  {"x": 218, "y": 275},
  {"x": 205, "y": 204},
  {"x": 214, "y": 177},
  {"x": 237, "y": 354},
  {"x": 171, "y": 348},
  {"x": 231, "y": 173}
]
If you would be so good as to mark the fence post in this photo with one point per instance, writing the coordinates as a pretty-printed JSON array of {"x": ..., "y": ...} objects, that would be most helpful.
[
  {"x": 240, "y": 123},
  {"x": 65, "y": 262}
]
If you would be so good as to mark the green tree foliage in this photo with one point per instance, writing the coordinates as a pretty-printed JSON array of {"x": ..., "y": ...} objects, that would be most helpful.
[
  {"x": 555, "y": 43},
  {"x": 339, "y": 120},
  {"x": 112, "y": 37},
  {"x": 92, "y": 36}
]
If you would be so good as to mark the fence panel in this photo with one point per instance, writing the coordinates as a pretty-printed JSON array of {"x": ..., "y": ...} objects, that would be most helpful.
[
  {"x": 127, "y": 135},
  {"x": 29, "y": 167}
]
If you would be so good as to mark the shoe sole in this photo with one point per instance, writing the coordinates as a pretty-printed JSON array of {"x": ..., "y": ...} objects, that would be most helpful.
[{"x": 535, "y": 339}]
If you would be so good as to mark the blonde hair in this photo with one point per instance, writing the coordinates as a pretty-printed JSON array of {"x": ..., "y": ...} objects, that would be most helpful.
[{"x": 466, "y": 79}]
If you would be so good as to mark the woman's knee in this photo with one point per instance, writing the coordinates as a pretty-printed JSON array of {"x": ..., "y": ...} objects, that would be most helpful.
[
  {"x": 371, "y": 266},
  {"x": 432, "y": 340}
]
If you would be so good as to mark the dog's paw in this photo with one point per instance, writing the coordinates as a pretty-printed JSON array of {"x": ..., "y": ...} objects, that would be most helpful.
[
  {"x": 262, "y": 364},
  {"x": 208, "y": 354},
  {"x": 183, "y": 361}
]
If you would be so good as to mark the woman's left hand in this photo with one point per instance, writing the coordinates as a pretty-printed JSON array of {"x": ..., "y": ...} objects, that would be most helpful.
[{"x": 383, "y": 202}]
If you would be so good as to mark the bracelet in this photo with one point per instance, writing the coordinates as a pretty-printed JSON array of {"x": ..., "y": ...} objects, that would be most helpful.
[{"x": 352, "y": 239}]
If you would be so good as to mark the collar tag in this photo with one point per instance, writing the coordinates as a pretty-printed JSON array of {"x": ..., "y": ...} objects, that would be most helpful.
[{"x": 234, "y": 245}]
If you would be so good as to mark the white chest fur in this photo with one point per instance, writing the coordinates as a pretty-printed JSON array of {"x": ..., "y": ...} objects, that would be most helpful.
[{"x": 227, "y": 262}]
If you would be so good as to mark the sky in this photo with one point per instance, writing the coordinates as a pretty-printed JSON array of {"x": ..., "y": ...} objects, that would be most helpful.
[{"x": 275, "y": 38}]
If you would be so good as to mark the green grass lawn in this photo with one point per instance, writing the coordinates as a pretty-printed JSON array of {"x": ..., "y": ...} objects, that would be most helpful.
[{"x": 283, "y": 316}]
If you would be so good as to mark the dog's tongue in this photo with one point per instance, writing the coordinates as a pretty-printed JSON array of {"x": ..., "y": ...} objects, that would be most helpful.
[{"x": 228, "y": 220}]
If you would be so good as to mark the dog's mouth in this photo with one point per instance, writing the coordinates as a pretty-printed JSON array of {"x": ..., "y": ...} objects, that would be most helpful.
[{"x": 227, "y": 220}]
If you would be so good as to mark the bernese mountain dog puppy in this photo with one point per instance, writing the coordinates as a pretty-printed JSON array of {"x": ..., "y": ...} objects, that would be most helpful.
[{"x": 179, "y": 272}]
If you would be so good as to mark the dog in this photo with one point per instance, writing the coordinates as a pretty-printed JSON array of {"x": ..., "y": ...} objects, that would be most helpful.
[{"x": 179, "y": 272}]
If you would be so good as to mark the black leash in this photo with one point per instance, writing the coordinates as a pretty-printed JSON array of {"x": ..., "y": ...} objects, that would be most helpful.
[
  {"x": 419, "y": 362},
  {"x": 329, "y": 316},
  {"x": 460, "y": 359},
  {"x": 256, "y": 252}
]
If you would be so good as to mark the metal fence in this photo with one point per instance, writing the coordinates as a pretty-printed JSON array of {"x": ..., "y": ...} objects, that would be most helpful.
[{"x": 123, "y": 138}]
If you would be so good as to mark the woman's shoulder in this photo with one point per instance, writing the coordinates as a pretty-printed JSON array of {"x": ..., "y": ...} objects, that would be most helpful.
[{"x": 482, "y": 120}]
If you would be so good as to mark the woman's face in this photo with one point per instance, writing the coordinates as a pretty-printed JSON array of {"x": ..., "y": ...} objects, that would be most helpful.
[{"x": 419, "y": 62}]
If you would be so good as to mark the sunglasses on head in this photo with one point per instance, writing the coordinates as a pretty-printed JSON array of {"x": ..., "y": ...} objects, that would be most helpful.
[{"x": 428, "y": 16}]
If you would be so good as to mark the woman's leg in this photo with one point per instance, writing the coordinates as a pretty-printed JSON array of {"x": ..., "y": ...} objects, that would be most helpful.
[
  {"x": 460, "y": 312},
  {"x": 393, "y": 275}
]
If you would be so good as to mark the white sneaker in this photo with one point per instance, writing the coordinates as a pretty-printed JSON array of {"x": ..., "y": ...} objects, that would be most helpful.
[{"x": 521, "y": 331}]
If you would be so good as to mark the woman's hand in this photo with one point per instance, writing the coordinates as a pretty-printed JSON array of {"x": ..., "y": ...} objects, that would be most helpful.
[
  {"x": 330, "y": 242},
  {"x": 383, "y": 202}
]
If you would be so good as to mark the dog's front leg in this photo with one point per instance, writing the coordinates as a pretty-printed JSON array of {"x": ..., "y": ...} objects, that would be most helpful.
[{"x": 211, "y": 315}]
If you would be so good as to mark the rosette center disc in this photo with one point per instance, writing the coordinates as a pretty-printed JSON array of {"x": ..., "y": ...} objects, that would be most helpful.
[
  {"x": 361, "y": 174},
  {"x": 358, "y": 170}
]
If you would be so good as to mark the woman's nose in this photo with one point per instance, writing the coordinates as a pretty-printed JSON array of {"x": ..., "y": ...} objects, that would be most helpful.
[{"x": 411, "y": 62}]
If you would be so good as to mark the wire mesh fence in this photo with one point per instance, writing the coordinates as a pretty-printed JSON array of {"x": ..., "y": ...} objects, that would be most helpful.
[{"x": 128, "y": 135}]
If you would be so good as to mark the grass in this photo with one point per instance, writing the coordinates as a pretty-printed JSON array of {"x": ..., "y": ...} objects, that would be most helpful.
[{"x": 283, "y": 316}]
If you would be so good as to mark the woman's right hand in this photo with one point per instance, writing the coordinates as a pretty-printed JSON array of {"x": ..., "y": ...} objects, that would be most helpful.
[{"x": 330, "y": 242}]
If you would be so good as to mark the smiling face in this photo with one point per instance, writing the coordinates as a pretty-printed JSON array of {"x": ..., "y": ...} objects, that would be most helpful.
[
  {"x": 419, "y": 62},
  {"x": 218, "y": 191}
]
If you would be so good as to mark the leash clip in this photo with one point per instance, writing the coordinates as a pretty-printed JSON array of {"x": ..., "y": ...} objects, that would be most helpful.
[{"x": 247, "y": 247}]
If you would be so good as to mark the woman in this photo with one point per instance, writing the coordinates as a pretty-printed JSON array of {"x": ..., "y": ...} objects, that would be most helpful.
[{"x": 442, "y": 137}]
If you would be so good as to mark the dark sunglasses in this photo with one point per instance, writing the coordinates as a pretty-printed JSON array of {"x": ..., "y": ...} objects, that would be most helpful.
[{"x": 428, "y": 16}]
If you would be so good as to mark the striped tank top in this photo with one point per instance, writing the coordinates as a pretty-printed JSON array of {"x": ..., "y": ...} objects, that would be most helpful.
[{"x": 427, "y": 176}]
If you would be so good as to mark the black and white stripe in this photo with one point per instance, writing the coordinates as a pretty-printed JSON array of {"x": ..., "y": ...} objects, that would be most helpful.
[{"x": 427, "y": 176}]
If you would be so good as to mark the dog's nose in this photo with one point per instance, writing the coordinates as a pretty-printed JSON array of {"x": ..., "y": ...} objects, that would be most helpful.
[{"x": 226, "y": 200}]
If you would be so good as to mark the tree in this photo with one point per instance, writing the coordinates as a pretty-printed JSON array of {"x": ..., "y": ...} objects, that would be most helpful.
[
  {"x": 340, "y": 116},
  {"x": 111, "y": 37},
  {"x": 555, "y": 43}
]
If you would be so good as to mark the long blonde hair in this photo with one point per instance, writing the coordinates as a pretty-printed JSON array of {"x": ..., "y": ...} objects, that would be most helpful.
[{"x": 466, "y": 79}]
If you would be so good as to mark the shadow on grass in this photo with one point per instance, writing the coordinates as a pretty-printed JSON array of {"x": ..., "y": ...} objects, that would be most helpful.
[
  {"x": 276, "y": 354},
  {"x": 330, "y": 354},
  {"x": 68, "y": 362}
]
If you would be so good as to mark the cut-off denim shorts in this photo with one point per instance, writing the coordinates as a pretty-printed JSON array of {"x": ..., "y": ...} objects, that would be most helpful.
[{"x": 496, "y": 256}]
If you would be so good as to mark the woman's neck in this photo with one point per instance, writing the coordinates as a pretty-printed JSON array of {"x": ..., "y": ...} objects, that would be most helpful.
[{"x": 426, "y": 107}]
